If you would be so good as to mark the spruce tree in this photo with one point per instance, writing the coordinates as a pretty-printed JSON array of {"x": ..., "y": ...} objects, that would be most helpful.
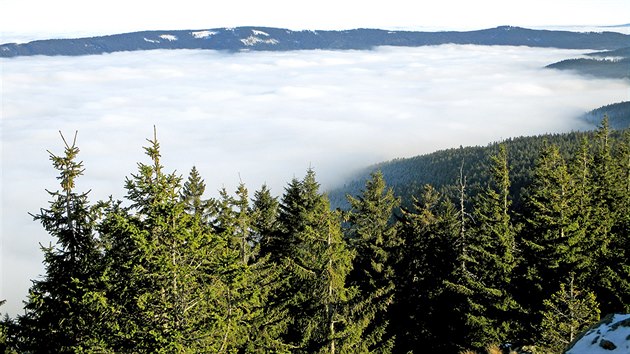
[
  {"x": 316, "y": 262},
  {"x": 265, "y": 217},
  {"x": 618, "y": 262},
  {"x": 567, "y": 313},
  {"x": 610, "y": 273},
  {"x": 462, "y": 288},
  {"x": 554, "y": 239},
  {"x": 191, "y": 195},
  {"x": 373, "y": 236},
  {"x": 604, "y": 190},
  {"x": 423, "y": 308},
  {"x": 243, "y": 225},
  {"x": 62, "y": 313},
  {"x": 162, "y": 263},
  {"x": 256, "y": 321},
  {"x": 493, "y": 254},
  {"x": 278, "y": 243}
]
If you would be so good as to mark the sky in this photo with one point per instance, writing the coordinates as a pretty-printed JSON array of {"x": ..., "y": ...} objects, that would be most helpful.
[
  {"x": 62, "y": 18},
  {"x": 267, "y": 117}
]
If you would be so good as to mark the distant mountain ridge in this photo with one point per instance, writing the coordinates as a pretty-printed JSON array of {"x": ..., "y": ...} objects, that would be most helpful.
[{"x": 278, "y": 39}]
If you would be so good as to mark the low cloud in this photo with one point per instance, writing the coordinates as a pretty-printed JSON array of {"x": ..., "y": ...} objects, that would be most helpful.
[{"x": 266, "y": 116}]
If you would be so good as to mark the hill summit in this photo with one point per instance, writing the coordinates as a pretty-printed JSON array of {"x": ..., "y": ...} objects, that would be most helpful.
[{"x": 278, "y": 39}]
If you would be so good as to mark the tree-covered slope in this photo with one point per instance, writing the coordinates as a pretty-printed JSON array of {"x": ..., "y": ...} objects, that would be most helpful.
[
  {"x": 606, "y": 64},
  {"x": 441, "y": 169},
  {"x": 596, "y": 67},
  {"x": 459, "y": 269},
  {"x": 618, "y": 115},
  {"x": 279, "y": 39}
]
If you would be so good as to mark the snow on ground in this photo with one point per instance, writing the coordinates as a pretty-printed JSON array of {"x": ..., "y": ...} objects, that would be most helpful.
[
  {"x": 609, "y": 336},
  {"x": 253, "y": 40},
  {"x": 260, "y": 33},
  {"x": 203, "y": 34},
  {"x": 168, "y": 37}
]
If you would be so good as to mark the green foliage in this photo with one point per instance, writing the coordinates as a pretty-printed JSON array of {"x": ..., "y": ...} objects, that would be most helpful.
[
  {"x": 423, "y": 308},
  {"x": 160, "y": 258},
  {"x": 374, "y": 238},
  {"x": 512, "y": 248},
  {"x": 191, "y": 195},
  {"x": 265, "y": 217},
  {"x": 493, "y": 260},
  {"x": 567, "y": 313},
  {"x": 617, "y": 113},
  {"x": 62, "y": 309},
  {"x": 610, "y": 273},
  {"x": 556, "y": 237},
  {"x": 316, "y": 262}
]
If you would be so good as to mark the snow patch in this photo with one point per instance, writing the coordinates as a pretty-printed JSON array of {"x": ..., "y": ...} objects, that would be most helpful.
[
  {"x": 253, "y": 40},
  {"x": 203, "y": 34},
  {"x": 169, "y": 37},
  {"x": 609, "y": 336},
  {"x": 151, "y": 40},
  {"x": 260, "y": 33}
]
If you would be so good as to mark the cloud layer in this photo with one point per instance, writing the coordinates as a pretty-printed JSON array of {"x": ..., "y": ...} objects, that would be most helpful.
[{"x": 265, "y": 117}]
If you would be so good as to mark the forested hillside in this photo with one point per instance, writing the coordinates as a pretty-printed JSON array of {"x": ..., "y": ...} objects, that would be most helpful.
[
  {"x": 281, "y": 39},
  {"x": 618, "y": 115},
  {"x": 407, "y": 176},
  {"x": 614, "y": 64},
  {"x": 522, "y": 247}
]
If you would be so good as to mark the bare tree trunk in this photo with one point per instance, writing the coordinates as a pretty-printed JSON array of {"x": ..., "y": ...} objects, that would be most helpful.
[
  {"x": 462, "y": 215},
  {"x": 329, "y": 309}
]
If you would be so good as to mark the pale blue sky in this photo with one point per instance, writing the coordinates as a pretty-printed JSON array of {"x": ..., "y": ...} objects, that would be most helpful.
[{"x": 63, "y": 17}]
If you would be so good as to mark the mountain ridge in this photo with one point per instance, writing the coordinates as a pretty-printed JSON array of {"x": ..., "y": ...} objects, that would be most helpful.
[{"x": 278, "y": 39}]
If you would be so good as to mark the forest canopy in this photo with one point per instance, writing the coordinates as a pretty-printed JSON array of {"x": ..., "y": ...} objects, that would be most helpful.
[{"x": 448, "y": 268}]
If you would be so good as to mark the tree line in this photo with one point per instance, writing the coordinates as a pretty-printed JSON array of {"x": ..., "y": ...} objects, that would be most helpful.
[{"x": 168, "y": 271}]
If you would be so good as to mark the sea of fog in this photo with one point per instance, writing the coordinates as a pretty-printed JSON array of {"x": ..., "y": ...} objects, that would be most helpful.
[{"x": 263, "y": 117}]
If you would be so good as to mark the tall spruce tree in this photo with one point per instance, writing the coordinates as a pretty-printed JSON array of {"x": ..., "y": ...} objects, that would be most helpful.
[
  {"x": 461, "y": 287},
  {"x": 256, "y": 321},
  {"x": 278, "y": 244},
  {"x": 243, "y": 225},
  {"x": 373, "y": 236},
  {"x": 610, "y": 273},
  {"x": 62, "y": 312},
  {"x": 618, "y": 262},
  {"x": 553, "y": 244},
  {"x": 604, "y": 190},
  {"x": 271, "y": 317},
  {"x": 316, "y": 262},
  {"x": 423, "y": 309},
  {"x": 493, "y": 255},
  {"x": 172, "y": 279}
]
